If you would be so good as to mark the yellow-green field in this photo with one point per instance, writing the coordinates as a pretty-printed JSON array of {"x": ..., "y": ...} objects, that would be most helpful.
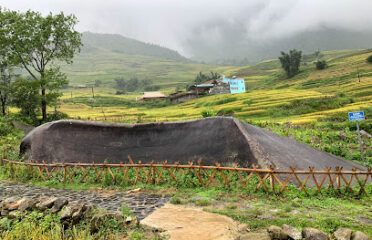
[{"x": 267, "y": 88}]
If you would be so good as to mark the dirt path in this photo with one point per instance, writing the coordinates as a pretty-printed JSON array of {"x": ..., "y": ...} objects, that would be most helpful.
[{"x": 185, "y": 223}]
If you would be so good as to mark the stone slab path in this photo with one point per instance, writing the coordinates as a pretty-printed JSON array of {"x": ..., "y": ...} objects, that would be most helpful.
[
  {"x": 185, "y": 222},
  {"x": 141, "y": 204}
]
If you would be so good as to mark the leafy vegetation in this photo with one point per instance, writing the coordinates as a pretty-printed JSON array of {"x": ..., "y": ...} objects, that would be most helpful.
[
  {"x": 321, "y": 64},
  {"x": 201, "y": 77},
  {"x": 291, "y": 62},
  {"x": 35, "y": 43},
  {"x": 369, "y": 59}
]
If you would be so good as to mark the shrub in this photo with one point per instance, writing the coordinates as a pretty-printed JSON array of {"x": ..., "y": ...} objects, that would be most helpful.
[
  {"x": 175, "y": 200},
  {"x": 208, "y": 113},
  {"x": 369, "y": 59},
  {"x": 321, "y": 64}
]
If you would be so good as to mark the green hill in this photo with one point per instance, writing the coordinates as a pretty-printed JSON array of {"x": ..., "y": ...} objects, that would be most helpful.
[
  {"x": 119, "y": 44},
  {"x": 105, "y": 57}
]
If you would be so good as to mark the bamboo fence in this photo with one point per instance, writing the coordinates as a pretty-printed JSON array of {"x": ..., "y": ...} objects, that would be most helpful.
[{"x": 270, "y": 180}]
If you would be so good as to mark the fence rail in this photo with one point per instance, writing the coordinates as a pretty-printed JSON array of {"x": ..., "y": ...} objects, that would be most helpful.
[{"x": 271, "y": 179}]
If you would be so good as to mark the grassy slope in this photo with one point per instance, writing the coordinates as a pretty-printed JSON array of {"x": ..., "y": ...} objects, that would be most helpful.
[
  {"x": 311, "y": 98},
  {"x": 267, "y": 88},
  {"x": 105, "y": 65}
]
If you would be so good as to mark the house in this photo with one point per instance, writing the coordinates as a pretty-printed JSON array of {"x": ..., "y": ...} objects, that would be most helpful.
[
  {"x": 182, "y": 97},
  {"x": 150, "y": 96},
  {"x": 201, "y": 88}
]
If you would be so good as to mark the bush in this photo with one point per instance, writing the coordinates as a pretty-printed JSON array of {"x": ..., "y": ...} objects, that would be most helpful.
[
  {"x": 369, "y": 59},
  {"x": 208, "y": 113},
  {"x": 321, "y": 64}
]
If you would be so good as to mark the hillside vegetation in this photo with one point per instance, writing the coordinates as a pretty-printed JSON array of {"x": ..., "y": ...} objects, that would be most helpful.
[
  {"x": 105, "y": 57},
  {"x": 308, "y": 96},
  {"x": 318, "y": 100}
]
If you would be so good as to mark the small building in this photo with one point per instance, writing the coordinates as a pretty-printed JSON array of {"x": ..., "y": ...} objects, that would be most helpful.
[
  {"x": 151, "y": 96},
  {"x": 201, "y": 88},
  {"x": 182, "y": 97}
]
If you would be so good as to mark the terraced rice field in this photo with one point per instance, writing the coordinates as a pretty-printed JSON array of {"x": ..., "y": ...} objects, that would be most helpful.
[{"x": 268, "y": 89}]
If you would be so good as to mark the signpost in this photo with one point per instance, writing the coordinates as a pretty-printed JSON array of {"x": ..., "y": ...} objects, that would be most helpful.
[{"x": 356, "y": 116}]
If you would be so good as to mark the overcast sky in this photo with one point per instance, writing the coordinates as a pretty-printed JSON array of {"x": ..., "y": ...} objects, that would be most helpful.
[{"x": 171, "y": 23}]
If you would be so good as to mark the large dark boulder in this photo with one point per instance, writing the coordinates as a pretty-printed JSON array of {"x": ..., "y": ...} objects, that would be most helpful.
[{"x": 219, "y": 139}]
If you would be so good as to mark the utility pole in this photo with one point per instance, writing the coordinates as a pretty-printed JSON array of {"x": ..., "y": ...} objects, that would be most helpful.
[{"x": 93, "y": 92}]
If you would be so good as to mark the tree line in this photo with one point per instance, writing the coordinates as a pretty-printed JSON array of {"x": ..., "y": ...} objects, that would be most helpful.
[
  {"x": 291, "y": 61},
  {"x": 35, "y": 44},
  {"x": 134, "y": 84}
]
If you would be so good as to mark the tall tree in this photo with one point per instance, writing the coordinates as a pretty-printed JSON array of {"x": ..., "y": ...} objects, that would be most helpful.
[
  {"x": 5, "y": 86},
  {"x": 6, "y": 63},
  {"x": 291, "y": 62},
  {"x": 39, "y": 43}
]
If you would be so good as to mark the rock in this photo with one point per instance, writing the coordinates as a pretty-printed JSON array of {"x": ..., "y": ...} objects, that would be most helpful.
[
  {"x": 4, "y": 212},
  {"x": 359, "y": 236},
  {"x": 77, "y": 214},
  {"x": 26, "y": 204},
  {"x": 264, "y": 216},
  {"x": 342, "y": 135},
  {"x": 276, "y": 232},
  {"x": 66, "y": 213},
  {"x": 365, "y": 134},
  {"x": 243, "y": 228},
  {"x": 46, "y": 203},
  {"x": 59, "y": 204},
  {"x": 313, "y": 234},
  {"x": 292, "y": 232},
  {"x": 73, "y": 211},
  {"x": 99, "y": 219},
  {"x": 10, "y": 204},
  {"x": 254, "y": 236},
  {"x": 132, "y": 221},
  {"x": 14, "y": 215},
  {"x": 343, "y": 234}
]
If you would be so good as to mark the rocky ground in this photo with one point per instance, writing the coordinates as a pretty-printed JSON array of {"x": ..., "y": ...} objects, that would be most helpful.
[{"x": 141, "y": 204}]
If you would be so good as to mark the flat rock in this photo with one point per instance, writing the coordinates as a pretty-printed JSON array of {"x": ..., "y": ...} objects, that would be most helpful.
[
  {"x": 254, "y": 236},
  {"x": 359, "y": 236},
  {"x": 342, "y": 234},
  {"x": 185, "y": 223},
  {"x": 10, "y": 204},
  {"x": 26, "y": 204},
  {"x": 276, "y": 232},
  {"x": 58, "y": 204},
  {"x": 292, "y": 232},
  {"x": 314, "y": 234},
  {"x": 45, "y": 203}
]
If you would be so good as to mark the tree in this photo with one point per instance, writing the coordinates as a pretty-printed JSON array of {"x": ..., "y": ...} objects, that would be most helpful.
[
  {"x": 291, "y": 62},
  {"x": 369, "y": 59},
  {"x": 6, "y": 64},
  {"x": 97, "y": 83},
  {"x": 120, "y": 83},
  {"x": 321, "y": 64},
  {"x": 5, "y": 86},
  {"x": 200, "y": 77},
  {"x": 25, "y": 96},
  {"x": 39, "y": 43},
  {"x": 132, "y": 84}
]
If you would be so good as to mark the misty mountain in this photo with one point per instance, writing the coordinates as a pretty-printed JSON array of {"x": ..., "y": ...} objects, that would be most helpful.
[
  {"x": 232, "y": 46},
  {"x": 119, "y": 44}
]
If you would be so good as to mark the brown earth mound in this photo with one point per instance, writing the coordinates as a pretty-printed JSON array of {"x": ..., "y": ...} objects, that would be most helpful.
[{"x": 218, "y": 139}]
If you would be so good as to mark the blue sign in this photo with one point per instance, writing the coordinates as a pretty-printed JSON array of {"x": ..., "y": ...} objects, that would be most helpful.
[{"x": 355, "y": 116}]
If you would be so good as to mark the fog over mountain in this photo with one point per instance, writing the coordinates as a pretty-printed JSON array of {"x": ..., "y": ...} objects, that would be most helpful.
[{"x": 213, "y": 30}]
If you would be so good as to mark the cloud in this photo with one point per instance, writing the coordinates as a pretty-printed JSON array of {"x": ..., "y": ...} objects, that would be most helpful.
[{"x": 175, "y": 23}]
